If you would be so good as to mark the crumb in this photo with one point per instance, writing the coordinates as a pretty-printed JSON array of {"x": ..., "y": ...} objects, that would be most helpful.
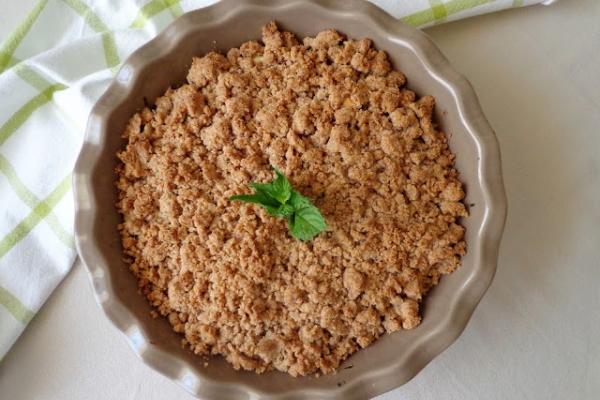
[{"x": 337, "y": 120}]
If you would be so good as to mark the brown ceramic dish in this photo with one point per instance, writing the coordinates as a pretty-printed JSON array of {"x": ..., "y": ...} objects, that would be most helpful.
[{"x": 392, "y": 360}]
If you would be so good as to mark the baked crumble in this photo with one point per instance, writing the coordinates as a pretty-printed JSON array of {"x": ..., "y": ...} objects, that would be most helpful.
[{"x": 337, "y": 120}]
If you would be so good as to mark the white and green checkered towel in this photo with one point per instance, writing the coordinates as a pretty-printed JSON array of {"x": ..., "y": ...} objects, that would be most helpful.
[{"x": 53, "y": 68}]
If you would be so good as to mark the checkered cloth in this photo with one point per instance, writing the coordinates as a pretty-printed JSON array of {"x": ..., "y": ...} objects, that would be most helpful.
[{"x": 53, "y": 68}]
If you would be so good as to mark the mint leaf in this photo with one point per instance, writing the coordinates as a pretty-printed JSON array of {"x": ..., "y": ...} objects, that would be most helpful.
[
  {"x": 259, "y": 198},
  {"x": 284, "y": 211},
  {"x": 281, "y": 188},
  {"x": 299, "y": 201},
  {"x": 307, "y": 222},
  {"x": 281, "y": 211},
  {"x": 280, "y": 200}
]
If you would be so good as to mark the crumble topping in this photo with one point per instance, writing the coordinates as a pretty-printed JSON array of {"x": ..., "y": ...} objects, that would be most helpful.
[{"x": 334, "y": 117}]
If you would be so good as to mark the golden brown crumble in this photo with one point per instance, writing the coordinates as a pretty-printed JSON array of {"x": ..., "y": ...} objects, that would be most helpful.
[{"x": 334, "y": 117}]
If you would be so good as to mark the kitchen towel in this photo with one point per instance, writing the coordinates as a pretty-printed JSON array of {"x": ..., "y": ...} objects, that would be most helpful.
[{"x": 53, "y": 67}]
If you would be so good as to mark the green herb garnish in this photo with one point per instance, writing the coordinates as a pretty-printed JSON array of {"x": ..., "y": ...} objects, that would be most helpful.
[{"x": 280, "y": 200}]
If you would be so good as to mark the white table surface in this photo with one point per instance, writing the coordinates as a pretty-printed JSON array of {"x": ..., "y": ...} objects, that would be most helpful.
[{"x": 535, "y": 335}]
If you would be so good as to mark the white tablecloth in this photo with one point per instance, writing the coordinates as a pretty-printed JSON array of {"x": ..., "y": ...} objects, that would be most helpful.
[{"x": 536, "y": 334}]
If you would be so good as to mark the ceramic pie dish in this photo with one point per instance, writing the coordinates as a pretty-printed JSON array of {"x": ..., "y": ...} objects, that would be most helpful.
[{"x": 393, "y": 359}]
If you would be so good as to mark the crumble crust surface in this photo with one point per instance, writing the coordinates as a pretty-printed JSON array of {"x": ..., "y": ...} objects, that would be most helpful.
[{"x": 335, "y": 118}]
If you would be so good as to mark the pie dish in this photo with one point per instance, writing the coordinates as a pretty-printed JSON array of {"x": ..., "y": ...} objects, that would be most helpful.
[{"x": 163, "y": 62}]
